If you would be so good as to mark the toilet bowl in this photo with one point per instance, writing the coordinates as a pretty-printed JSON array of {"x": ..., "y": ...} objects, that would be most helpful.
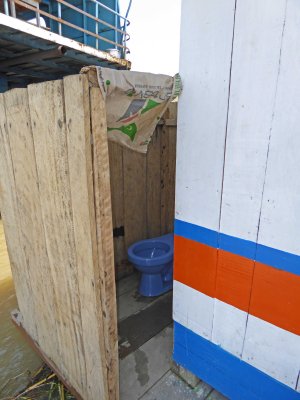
[{"x": 154, "y": 259}]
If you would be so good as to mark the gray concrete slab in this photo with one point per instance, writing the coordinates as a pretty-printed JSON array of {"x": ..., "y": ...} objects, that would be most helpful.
[
  {"x": 140, "y": 327},
  {"x": 129, "y": 301},
  {"x": 186, "y": 375},
  {"x": 145, "y": 373},
  {"x": 171, "y": 387},
  {"x": 127, "y": 284},
  {"x": 140, "y": 370},
  {"x": 214, "y": 395}
]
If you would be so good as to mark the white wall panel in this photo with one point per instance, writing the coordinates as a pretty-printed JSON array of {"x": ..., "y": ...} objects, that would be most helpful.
[
  {"x": 205, "y": 54},
  {"x": 255, "y": 65},
  {"x": 280, "y": 221},
  {"x": 272, "y": 350},
  {"x": 256, "y": 53},
  {"x": 229, "y": 327},
  {"x": 261, "y": 184},
  {"x": 193, "y": 309}
]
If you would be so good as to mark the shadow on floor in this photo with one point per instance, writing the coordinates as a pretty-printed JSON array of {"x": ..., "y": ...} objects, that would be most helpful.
[{"x": 145, "y": 349}]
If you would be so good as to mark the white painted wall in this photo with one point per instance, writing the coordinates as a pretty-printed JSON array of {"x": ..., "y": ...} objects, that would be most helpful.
[
  {"x": 255, "y": 65},
  {"x": 280, "y": 221},
  {"x": 206, "y": 40},
  {"x": 238, "y": 156}
]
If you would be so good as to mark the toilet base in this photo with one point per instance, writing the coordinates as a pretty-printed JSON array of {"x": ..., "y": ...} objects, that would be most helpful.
[{"x": 152, "y": 285}]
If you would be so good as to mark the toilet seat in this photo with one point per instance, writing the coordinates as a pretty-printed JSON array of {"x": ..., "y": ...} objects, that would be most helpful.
[
  {"x": 154, "y": 259},
  {"x": 162, "y": 244}
]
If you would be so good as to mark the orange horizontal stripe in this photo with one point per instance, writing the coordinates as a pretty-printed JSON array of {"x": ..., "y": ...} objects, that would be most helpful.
[
  {"x": 265, "y": 292},
  {"x": 234, "y": 279},
  {"x": 195, "y": 265},
  {"x": 276, "y": 297}
]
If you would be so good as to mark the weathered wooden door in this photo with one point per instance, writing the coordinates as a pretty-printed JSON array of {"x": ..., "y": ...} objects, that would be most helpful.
[{"x": 56, "y": 208}]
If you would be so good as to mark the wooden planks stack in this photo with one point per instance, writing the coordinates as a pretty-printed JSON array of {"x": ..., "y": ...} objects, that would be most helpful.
[{"x": 56, "y": 208}]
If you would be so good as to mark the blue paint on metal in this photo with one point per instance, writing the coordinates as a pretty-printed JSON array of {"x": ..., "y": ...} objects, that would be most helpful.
[
  {"x": 40, "y": 44},
  {"x": 89, "y": 24},
  {"x": 112, "y": 36},
  {"x": 228, "y": 374},
  {"x": 83, "y": 21}
]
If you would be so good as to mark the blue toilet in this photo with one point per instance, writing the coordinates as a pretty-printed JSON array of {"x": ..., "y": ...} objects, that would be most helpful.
[{"x": 154, "y": 259}]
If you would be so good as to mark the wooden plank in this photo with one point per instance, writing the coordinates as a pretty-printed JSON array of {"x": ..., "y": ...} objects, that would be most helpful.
[
  {"x": 91, "y": 73},
  {"x": 153, "y": 185},
  {"x": 55, "y": 195},
  {"x": 171, "y": 121},
  {"x": 50, "y": 142},
  {"x": 172, "y": 111},
  {"x": 249, "y": 118},
  {"x": 201, "y": 132},
  {"x": 117, "y": 199},
  {"x": 201, "y": 127},
  {"x": 280, "y": 221},
  {"x": 77, "y": 108},
  {"x": 30, "y": 224},
  {"x": 249, "y": 125},
  {"x": 164, "y": 159},
  {"x": 18, "y": 320},
  {"x": 135, "y": 199},
  {"x": 168, "y": 163},
  {"x": 9, "y": 213},
  {"x": 193, "y": 309},
  {"x": 274, "y": 350},
  {"x": 105, "y": 238}
]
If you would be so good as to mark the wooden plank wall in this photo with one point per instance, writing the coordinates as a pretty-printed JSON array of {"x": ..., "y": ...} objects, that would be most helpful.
[
  {"x": 237, "y": 197},
  {"x": 248, "y": 133},
  {"x": 143, "y": 189},
  {"x": 56, "y": 209}
]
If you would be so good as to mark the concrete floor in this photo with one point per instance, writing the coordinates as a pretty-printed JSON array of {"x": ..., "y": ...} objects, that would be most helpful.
[{"x": 145, "y": 373}]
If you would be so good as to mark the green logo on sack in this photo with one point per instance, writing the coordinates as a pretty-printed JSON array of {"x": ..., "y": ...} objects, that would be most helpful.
[
  {"x": 129, "y": 130},
  {"x": 150, "y": 104}
]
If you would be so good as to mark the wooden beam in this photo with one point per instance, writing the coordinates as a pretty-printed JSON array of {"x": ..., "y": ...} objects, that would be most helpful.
[{"x": 104, "y": 228}]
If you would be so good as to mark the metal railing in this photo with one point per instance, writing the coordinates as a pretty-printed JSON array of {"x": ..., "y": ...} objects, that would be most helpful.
[{"x": 92, "y": 25}]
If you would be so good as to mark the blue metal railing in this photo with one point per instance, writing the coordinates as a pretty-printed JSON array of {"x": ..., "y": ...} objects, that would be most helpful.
[{"x": 91, "y": 22}]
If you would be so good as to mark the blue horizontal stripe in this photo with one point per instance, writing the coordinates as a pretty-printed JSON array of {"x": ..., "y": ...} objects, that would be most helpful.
[
  {"x": 195, "y": 232},
  {"x": 267, "y": 255},
  {"x": 228, "y": 374},
  {"x": 278, "y": 259},
  {"x": 241, "y": 247}
]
